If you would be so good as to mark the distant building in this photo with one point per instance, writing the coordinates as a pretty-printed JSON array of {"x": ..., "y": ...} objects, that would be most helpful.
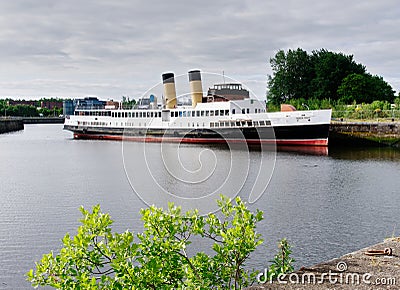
[
  {"x": 147, "y": 103},
  {"x": 37, "y": 104},
  {"x": 111, "y": 105},
  {"x": 69, "y": 106},
  {"x": 51, "y": 104},
  {"x": 90, "y": 103},
  {"x": 23, "y": 102}
]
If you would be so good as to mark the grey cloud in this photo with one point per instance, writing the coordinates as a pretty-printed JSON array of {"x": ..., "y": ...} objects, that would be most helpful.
[{"x": 128, "y": 44}]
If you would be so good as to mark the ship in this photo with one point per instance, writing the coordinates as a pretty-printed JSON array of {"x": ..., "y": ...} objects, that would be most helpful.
[{"x": 225, "y": 114}]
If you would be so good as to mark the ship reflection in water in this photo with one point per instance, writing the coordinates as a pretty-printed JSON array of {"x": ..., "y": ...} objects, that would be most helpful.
[
  {"x": 336, "y": 152},
  {"x": 308, "y": 150},
  {"x": 302, "y": 150}
]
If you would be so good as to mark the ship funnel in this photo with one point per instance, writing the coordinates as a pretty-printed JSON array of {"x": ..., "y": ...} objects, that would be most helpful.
[
  {"x": 169, "y": 90},
  {"x": 196, "y": 88}
]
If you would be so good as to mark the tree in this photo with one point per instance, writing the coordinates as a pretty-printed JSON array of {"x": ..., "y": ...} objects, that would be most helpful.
[
  {"x": 3, "y": 107},
  {"x": 365, "y": 88},
  {"x": 298, "y": 75},
  {"x": 292, "y": 76},
  {"x": 383, "y": 91},
  {"x": 45, "y": 112},
  {"x": 354, "y": 87},
  {"x": 22, "y": 111},
  {"x": 97, "y": 258},
  {"x": 127, "y": 103},
  {"x": 330, "y": 69}
]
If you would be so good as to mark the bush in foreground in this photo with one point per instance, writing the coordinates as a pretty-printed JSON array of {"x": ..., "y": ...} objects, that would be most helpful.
[{"x": 97, "y": 258}]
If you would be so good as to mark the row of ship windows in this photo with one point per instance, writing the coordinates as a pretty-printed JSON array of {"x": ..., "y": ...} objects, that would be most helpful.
[
  {"x": 212, "y": 124},
  {"x": 240, "y": 124},
  {"x": 211, "y": 113},
  {"x": 150, "y": 114},
  {"x": 119, "y": 114},
  {"x": 206, "y": 113},
  {"x": 93, "y": 113},
  {"x": 84, "y": 123}
]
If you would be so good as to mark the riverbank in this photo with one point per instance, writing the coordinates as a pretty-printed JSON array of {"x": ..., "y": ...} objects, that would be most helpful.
[
  {"x": 364, "y": 134},
  {"x": 43, "y": 120},
  {"x": 10, "y": 125},
  {"x": 368, "y": 268}
]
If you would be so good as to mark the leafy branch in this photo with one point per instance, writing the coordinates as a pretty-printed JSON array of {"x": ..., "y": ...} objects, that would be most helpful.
[{"x": 97, "y": 258}]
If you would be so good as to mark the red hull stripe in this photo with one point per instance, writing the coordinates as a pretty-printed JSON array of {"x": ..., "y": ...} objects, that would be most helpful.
[{"x": 308, "y": 142}]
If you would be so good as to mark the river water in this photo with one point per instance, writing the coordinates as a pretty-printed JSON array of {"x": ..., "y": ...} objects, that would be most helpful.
[{"x": 326, "y": 205}]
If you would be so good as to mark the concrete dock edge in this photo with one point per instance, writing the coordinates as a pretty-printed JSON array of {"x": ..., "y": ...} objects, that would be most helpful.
[
  {"x": 10, "y": 125},
  {"x": 356, "y": 270}
]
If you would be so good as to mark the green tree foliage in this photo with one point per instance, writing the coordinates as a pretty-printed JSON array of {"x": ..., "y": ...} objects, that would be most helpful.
[
  {"x": 29, "y": 110},
  {"x": 22, "y": 111},
  {"x": 363, "y": 88},
  {"x": 323, "y": 75},
  {"x": 52, "y": 99},
  {"x": 353, "y": 87},
  {"x": 157, "y": 258},
  {"x": 3, "y": 107},
  {"x": 282, "y": 262},
  {"x": 45, "y": 112},
  {"x": 330, "y": 69},
  {"x": 397, "y": 102},
  {"x": 293, "y": 74},
  {"x": 128, "y": 103}
]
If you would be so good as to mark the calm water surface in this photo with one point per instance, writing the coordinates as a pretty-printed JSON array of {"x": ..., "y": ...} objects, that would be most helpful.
[{"x": 325, "y": 206}]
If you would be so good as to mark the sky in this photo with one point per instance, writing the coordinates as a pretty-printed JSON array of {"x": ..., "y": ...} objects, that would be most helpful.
[{"x": 115, "y": 48}]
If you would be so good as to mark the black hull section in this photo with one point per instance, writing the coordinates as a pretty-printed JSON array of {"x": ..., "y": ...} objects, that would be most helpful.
[{"x": 302, "y": 132}]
